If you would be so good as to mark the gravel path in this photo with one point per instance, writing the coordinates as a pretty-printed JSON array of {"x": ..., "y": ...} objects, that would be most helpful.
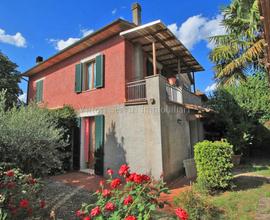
[{"x": 65, "y": 199}]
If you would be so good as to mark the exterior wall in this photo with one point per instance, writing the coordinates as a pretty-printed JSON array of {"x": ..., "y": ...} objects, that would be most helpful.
[
  {"x": 59, "y": 80},
  {"x": 175, "y": 135},
  {"x": 132, "y": 136}
]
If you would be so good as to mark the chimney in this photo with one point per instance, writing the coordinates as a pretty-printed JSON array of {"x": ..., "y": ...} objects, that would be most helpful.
[
  {"x": 136, "y": 14},
  {"x": 39, "y": 59}
]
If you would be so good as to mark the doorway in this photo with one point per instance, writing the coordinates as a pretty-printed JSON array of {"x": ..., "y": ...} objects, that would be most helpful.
[{"x": 92, "y": 141}]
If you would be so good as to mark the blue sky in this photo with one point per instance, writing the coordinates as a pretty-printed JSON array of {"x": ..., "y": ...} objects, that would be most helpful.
[{"x": 31, "y": 28}]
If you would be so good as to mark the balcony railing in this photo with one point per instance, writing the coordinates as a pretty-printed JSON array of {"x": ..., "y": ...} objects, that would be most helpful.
[
  {"x": 136, "y": 91},
  {"x": 174, "y": 94}
]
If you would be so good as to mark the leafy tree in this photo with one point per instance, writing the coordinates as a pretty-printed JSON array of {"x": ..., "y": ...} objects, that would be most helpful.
[
  {"x": 253, "y": 96},
  {"x": 31, "y": 139},
  {"x": 242, "y": 113},
  {"x": 9, "y": 79},
  {"x": 240, "y": 50}
]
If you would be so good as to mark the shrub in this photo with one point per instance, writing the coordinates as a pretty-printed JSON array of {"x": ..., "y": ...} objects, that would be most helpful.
[
  {"x": 196, "y": 205},
  {"x": 213, "y": 163},
  {"x": 31, "y": 139},
  {"x": 134, "y": 196},
  {"x": 19, "y": 195}
]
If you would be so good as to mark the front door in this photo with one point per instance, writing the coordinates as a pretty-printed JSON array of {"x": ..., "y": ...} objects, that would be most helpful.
[{"x": 93, "y": 152}]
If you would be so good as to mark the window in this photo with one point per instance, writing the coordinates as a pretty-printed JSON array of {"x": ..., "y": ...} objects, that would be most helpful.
[
  {"x": 39, "y": 91},
  {"x": 89, "y": 74}
]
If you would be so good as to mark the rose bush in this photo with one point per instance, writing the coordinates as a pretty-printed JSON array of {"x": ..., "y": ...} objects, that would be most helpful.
[
  {"x": 132, "y": 197},
  {"x": 19, "y": 195}
]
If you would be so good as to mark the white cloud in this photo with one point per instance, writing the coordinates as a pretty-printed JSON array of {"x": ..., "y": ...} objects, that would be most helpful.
[
  {"x": 17, "y": 39},
  {"x": 196, "y": 29},
  {"x": 211, "y": 87},
  {"x": 23, "y": 97},
  {"x": 86, "y": 32},
  {"x": 60, "y": 44},
  {"x": 114, "y": 11}
]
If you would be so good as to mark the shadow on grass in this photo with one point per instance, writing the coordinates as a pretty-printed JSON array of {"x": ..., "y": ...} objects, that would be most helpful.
[{"x": 248, "y": 182}]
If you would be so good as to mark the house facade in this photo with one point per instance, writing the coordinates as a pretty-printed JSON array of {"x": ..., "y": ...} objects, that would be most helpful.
[{"x": 131, "y": 87}]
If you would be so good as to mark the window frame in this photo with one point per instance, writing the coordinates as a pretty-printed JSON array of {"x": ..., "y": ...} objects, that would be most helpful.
[
  {"x": 85, "y": 77},
  {"x": 42, "y": 96}
]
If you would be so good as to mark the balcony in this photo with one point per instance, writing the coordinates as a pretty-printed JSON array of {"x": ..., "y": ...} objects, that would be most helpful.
[
  {"x": 136, "y": 91},
  {"x": 174, "y": 94}
]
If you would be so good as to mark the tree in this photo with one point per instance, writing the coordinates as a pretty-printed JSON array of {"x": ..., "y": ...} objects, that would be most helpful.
[
  {"x": 9, "y": 79},
  {"x": 32, "y": 139},
  {"x": 240, "y": 50}
]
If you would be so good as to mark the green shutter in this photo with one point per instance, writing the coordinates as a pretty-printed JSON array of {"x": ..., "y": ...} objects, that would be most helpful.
[
  {"x": 39, "y": 91},
  {"x": 99, "y": 71},
  {"x": 78, "y": 77},
  {"x": 99, "y": 140}
]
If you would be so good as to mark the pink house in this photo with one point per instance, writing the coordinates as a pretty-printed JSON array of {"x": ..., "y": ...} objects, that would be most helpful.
[{"x": 131, "y": 87}]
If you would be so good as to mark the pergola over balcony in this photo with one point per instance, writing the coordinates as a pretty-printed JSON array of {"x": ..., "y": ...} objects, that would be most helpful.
[{"x": 164, "y": 47}]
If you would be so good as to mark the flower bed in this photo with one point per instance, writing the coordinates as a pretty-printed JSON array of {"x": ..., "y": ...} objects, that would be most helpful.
[
  {"x": 19, "y": 195},
  {"x": 133, "y": 196}
]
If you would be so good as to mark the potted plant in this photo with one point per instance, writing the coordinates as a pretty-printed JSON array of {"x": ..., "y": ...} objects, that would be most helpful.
[{"x": 172, "y": 80}]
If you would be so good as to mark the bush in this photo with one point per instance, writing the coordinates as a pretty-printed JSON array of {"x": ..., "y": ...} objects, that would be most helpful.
[
  {"x": 19, "y": 195},
  {"x": 132, "y": 197},
  {"x": 213, "y": 163},
  {"x": 196, "y": 205},
  {"x": 31, "y": 138}
]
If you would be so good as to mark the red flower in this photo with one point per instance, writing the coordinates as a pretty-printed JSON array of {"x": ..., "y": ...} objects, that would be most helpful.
[
  {"x": 110, "y": 172},
  {"x": 95, "y": 211},
  {"x": 10, "y": 173},
  {"x": 101, "y": 183},
  {"x": 109, "y": 206},
  {"x": 24, "y": 203},
  {"x": 128, "y": 200},
  {"x": 42, "y": 204},
  {"x": 79, "y": 213},
  {"x": 181, "y": 214},
  {"x": 123, "y": 171},
  {"x": 130, "y": 178},
  {"x": 115, "y": 183},
  {"x": 138, "y": 178},
  {"x": 106, "y": 193},
  {"x": 87, "y": 218},
  {"x": 145, "y": 178},
  {"x": 131, "y": 217}
]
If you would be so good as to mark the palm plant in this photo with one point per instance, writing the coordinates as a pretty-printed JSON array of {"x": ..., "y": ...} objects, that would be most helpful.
[{"x": 241, "y": 48}]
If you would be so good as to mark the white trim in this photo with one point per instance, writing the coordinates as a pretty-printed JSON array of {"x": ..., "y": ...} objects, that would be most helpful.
[
  {"x": 92, "y": 57},
  {"x": 88, "y": 114},
  {"x": 141, "y": 27},
  {"x": 39, "y": 79}
]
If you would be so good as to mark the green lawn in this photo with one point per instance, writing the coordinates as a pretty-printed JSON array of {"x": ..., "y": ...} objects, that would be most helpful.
[
  {"x": 242, "y": 202},
  {"x": 251, "y": 186}
]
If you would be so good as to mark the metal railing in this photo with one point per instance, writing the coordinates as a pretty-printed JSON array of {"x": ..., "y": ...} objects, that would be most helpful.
[
  {"x": 136, "y": 91},
  {"x": 174, "y": 94}
]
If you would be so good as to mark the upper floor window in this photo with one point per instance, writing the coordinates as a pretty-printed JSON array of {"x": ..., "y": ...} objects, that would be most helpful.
[
  {"x": 39, "y": 91},
  {"x": 89, "y": 74}
]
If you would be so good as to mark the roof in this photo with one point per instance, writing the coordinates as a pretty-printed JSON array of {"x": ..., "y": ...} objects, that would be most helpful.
[
  {"x": 168, "y": 48},
  {"x": 109, "y": 30}
]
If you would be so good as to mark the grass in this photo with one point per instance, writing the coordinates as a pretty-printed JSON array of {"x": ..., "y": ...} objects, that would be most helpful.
[
  {"x": 242, "y": 202},
  {"x": 240, "y": 205}
]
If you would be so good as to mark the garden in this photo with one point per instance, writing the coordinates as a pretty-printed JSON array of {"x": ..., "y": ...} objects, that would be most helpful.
[{"x": 36, "y": 145}]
